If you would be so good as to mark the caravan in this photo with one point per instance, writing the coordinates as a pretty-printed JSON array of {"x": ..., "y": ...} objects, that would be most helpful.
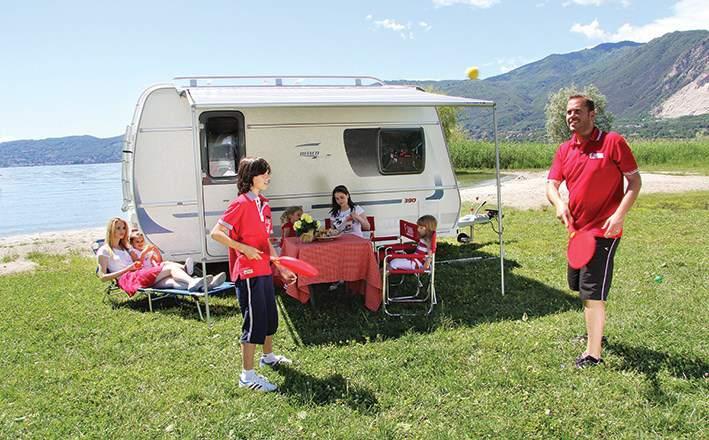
[{"x": 383, "y": 142}]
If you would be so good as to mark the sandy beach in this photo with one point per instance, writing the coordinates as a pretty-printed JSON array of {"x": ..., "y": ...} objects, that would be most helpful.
[
  {"x": 524, "y": 190},
  {"x": 17, "y": 247}
]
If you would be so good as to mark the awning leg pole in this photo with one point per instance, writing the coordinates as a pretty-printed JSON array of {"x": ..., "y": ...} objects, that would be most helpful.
[{"x": 499, "y": 203}]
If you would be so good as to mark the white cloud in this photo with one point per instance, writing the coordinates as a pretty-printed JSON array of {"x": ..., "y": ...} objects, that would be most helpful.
[
  {"x": 589, "y": 2},
  {"x": 390, "y": 24},
  {"x": 624, "y": 3},
  {"x": 368, "y": 17},
  {"x": 404, "y": 30},
  {"x": 687, "y": 15},
  {"x": 476, "y": 3},
  {"x": 592, "y": 30}
]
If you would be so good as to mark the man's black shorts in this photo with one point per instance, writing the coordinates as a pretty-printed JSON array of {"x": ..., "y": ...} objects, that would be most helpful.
[{"x": 593, "y": 281}]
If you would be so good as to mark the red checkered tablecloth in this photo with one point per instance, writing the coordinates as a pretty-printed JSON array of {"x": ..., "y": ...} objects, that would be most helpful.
[{"x": 347, "y": 258}]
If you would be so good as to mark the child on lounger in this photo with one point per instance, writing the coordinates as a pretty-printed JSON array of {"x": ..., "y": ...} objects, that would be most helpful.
[{"x": 150, "y": 255}]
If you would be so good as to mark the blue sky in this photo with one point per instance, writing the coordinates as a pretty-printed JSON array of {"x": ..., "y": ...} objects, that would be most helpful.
[{"x": 78, "y": 67}]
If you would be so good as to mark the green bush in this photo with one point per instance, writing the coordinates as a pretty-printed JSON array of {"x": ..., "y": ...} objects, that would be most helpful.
[
  {"x": 680, "y": 153},
  {"x": 467, "y": 153}
]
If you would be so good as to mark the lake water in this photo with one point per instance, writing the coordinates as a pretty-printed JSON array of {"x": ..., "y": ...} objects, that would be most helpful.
[
  {"x": 59, "y": 197},
  {"x": 64, "y": 197}
]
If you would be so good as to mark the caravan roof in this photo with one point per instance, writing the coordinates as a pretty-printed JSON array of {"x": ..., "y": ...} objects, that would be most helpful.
[{"x": 314, "y": 96}]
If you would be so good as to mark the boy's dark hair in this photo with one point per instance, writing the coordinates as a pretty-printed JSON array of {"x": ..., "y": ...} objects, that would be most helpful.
[
  {"x": 590, "y": 105},
  {"x": 250, "y": 167},
  {"x": 335, "y": 209}
]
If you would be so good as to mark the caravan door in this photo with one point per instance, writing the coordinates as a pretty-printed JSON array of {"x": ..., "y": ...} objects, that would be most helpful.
[{"x": 222, "y": 141}]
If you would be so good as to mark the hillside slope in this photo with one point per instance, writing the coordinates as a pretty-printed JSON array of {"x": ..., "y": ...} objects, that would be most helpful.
[
  {"x": 665, "y": 77},
  {"x": 60, "y": 151}
]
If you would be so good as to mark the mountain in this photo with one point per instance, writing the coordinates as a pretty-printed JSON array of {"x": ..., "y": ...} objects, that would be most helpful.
[
  {"x": 60, "y": 151},
  {"x": 654, "y": 89},
  {"x": 666, "y": 77}
]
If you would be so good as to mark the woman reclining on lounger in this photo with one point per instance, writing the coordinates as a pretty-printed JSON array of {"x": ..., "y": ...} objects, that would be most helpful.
[{"x": 115, "y": 261}]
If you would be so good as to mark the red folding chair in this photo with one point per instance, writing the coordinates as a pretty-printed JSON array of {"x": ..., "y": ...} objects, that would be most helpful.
[
  {"x": 424, "y": 278},
  {"x": 376, "y": 240}
]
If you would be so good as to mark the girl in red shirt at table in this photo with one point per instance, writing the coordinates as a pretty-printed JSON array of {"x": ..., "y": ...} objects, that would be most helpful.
[
  {"x": 288, "y": 218},
  {"x": 427, "y": 225},
  {"x": 245, "y": 228},
  {"x": 346, "y": 216},
  {"x": 115, "y": 262}
]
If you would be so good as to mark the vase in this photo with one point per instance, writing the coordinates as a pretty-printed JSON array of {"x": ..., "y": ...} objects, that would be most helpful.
[{"x": 307, "y": 237}]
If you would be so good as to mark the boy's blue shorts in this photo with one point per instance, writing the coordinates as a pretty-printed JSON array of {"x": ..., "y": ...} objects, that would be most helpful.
[{"x": 257, "y": 300}]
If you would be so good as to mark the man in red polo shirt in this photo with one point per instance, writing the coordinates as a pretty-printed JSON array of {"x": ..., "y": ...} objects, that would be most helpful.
[
  {"x": 593, "y": 164},
  {"x": 245, "y": 228}
]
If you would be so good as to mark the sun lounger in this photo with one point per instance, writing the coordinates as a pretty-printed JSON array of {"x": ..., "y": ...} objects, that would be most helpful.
[{"x": 155, "y": 294}]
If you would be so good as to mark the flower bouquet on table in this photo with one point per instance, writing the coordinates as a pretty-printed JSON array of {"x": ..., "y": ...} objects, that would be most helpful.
[{"x": 306, "y": 227}]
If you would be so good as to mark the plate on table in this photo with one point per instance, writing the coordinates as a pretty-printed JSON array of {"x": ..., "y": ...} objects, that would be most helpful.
[{"x": 327, "y": 237}]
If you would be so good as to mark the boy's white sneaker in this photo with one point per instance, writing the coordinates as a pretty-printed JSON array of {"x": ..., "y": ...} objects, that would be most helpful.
[
  {"x": 257, "y": 383},
  {"x": 189, "y": 266},
  {"x": 274, "y": 361}
]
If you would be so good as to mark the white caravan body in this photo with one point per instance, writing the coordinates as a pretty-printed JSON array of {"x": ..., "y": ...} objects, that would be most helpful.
[{"x": 383, "y": 142}]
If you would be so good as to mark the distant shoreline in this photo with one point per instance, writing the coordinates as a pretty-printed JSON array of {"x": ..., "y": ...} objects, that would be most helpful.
[{"x": 58, "y": 164}]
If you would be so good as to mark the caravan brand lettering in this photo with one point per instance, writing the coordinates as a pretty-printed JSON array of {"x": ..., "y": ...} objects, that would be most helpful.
[{"x": 312, "y": 154}]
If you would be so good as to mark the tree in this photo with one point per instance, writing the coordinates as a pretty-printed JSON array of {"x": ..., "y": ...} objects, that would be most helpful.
[
  {"x": 449, "y": 119},
  {"x": 555, "y": 111}
]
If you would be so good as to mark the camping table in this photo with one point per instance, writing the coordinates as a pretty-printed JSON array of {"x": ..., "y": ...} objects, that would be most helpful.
[{"x": 349, "y": 258}]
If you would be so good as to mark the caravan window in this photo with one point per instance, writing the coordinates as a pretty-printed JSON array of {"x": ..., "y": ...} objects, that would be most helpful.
[
  {"x": 377, "y": 151},
  {"x": 222, "y": 138},
  {"x": 401, "y": 151}
]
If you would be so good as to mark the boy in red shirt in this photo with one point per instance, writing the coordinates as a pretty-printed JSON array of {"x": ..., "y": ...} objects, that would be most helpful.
[
  {"x": 245, "y": 228},
  {"x": 593, "y": 164}
]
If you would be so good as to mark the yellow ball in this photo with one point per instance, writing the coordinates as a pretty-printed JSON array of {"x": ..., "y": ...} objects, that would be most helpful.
[{"x": 472, "y": 72}]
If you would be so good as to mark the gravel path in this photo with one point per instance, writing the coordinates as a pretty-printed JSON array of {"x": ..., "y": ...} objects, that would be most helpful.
[{"x": 527, "y": 190}]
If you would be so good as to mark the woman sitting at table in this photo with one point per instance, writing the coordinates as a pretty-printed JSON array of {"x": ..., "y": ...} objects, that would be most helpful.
[{"x": 346, "y": 216}]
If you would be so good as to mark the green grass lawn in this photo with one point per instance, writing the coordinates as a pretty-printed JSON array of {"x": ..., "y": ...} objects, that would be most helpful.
[{"x": 484, "y": 365}]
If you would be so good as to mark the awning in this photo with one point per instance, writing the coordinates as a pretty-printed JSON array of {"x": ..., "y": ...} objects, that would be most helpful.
[{"x": 323, "y": 96}]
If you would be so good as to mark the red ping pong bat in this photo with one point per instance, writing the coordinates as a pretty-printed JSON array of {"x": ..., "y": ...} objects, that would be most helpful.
[
  {"x": 582, "y": 246},
  {"x": 300, "y": 267}
]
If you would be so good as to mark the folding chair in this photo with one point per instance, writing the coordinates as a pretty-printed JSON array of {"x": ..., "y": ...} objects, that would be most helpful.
[
  {"x": 378, "y": 239},
  {"x": 425, "y": 294},
  {"x": 155, "y": 294}
]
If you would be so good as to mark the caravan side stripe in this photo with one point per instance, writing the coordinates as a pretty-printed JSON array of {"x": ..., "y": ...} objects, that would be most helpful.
[
  {"x": 438, "y": 193},
  {"x": 367, "y": 203}
]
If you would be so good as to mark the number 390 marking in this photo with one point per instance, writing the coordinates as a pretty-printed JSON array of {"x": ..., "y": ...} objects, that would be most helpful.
[{"x": 410, "y": 200}]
